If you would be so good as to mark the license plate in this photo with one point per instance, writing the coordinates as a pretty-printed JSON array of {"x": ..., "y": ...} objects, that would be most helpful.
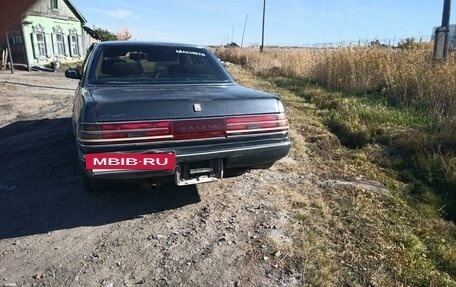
[{"x": 130, "y": 161}]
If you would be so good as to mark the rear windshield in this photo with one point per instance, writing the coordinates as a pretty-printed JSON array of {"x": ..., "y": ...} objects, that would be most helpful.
[{"x": 155, "y": 64}]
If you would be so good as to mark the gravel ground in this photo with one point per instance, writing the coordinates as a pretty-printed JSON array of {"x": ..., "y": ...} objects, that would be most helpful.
[{"x": 234, "y": 232}]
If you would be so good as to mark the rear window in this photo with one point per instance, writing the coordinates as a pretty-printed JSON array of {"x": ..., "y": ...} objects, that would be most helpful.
[{"x": 155, "y": 64}]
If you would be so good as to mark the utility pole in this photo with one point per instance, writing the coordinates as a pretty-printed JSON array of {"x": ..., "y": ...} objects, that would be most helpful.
[
  {"x": 243, "y": 32},
  {"x": 262, "y": 32},
  {"x": 446, "y": 23},
  {"x": 441, "y": 41}
]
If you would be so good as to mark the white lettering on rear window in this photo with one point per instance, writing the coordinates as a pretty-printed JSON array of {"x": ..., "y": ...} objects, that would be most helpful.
[{"x": 190, "y": 53}]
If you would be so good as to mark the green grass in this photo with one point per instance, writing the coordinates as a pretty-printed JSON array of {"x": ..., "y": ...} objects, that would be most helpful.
[
  {"x": 412, "y": 145},
  {"x": 426, "y": 256},
  {"x": 350, "y": 237}
]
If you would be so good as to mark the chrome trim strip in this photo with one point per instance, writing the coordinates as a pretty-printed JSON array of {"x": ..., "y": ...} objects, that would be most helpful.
[
  {"x": 122, "y": 131},
  {"x": 256, "y": 123},
  {"x": 124, "y": 171},
  {"x": 257, "y": 130},
  {"x": 98, "y": 171},
  {"x": 123, "y": 139},
  {"x": 233, "y": 136}
]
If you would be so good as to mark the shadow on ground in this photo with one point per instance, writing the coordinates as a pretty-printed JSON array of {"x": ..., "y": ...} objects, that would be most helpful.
[{"x": 41, "y": 188}]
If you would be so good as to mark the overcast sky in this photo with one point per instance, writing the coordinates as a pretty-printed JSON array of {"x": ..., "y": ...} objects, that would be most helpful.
[{"x": 288, "y": 22}]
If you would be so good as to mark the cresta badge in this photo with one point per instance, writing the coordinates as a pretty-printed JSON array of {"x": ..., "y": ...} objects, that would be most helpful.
[{"x": 197, "y": 107}]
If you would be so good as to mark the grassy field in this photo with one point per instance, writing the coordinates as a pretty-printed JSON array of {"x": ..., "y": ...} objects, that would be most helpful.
[
  {"x": 349, "y": 237},
  {"x": 398, "y": 99}
]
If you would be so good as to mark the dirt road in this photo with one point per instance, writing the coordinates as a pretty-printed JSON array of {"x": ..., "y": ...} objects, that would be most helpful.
[{"x": 235, "y": 232}]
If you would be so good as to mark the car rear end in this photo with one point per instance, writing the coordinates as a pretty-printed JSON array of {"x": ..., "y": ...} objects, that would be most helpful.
[
  {"x": 204, "y": 148},
  {"x": 211, "y": 126}
]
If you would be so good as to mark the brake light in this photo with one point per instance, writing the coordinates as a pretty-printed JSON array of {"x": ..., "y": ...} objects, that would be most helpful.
[
  {"x": 140, "y": 132},
  {"x": 135, "y": 130},
  {"x": 127, "y": 132},
  {"x": 256, "y": 124}
]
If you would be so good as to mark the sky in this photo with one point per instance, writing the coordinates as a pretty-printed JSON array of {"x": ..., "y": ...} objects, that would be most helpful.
[{"x": 287, "y": 22}]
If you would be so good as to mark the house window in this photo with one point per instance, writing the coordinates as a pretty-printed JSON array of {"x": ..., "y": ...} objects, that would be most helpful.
[
  {"x": 18, "y": 39},
  {"x": 59, "y": 44},
  {"x": 54, "y": 4},
  {"x": 59, "y": 41},
  {"x": 74, "y": 45},
  {"x": 41, "y": 45},
  {"x": 41, "y": 42}
]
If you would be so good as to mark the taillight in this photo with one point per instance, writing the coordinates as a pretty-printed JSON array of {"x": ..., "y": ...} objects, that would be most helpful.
[
  {"x": 256, "y": 124},
  {"x": 126, "y": 132},
  {"x": 136, "y": 130},
  {"x": 189, "y": 129}
]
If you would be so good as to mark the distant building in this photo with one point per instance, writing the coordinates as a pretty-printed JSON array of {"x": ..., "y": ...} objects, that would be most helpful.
[{"x": 50, "y": 30}]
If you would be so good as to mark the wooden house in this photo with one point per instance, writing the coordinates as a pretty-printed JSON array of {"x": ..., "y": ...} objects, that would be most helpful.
[{"x": 50, "y": 30}]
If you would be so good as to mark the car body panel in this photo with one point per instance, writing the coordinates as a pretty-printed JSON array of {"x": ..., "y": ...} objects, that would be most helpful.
[
  {"x": 105, "y": 99},
  {"x": 171, "y": 102}
]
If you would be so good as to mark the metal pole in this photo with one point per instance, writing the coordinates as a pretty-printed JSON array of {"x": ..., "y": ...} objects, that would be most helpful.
[
  {"x": 446, "y": 24},
  {"x": 446, "y": 13},
  {"x": 243, "y": 32},
  {"x": 262, "y": 32},
  {"x": 9, "y": 52}
]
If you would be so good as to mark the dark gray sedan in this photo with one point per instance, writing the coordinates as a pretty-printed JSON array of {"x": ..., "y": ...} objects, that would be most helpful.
[{"x": 155, "y": 109}]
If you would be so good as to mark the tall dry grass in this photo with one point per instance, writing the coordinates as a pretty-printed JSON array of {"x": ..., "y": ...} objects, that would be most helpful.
[
  {"x": 279, "y": 62},
  {"x": 419, "y": 147},
  {"x": 413, "y": 86},
  {"x": 406, "y": 77}
]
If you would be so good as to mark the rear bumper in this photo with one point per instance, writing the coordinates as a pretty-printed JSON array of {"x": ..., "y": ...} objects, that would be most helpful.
[{"x": 248, "y": 155}]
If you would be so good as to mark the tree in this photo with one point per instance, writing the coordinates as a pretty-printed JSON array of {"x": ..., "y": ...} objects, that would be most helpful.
[
  {"x": 105, "y": 35},
  {"x": 124, "y": 34},
  {"x": 407, "y": 43}
]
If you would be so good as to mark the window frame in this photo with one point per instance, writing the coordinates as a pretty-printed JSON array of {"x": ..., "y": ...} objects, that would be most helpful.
[
  {"x": 75, "y": 43},
  {"x": 54, "y": 4},
  {"x": 59, "y": 44},
  {"x": 41, "y": 43}
]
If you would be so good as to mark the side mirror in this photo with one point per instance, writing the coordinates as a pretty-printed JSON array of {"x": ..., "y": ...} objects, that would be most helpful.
[{"x": 73, "y": 73}]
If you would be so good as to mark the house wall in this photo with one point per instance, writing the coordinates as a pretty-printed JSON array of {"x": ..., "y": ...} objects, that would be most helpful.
[
  {"x": 53, "y": 34},
  {"x": 43, "y": 8}
]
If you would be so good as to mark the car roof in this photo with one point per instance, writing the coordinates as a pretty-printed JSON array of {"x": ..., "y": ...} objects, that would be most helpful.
[{"x": 146, "y": 43}]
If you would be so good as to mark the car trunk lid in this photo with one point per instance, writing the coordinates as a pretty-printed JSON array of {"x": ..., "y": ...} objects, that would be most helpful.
[{"x": 136, "y": 103}]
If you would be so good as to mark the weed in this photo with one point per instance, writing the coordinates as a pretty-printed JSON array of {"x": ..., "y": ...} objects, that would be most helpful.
[{"x": 349, "y": 236}]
